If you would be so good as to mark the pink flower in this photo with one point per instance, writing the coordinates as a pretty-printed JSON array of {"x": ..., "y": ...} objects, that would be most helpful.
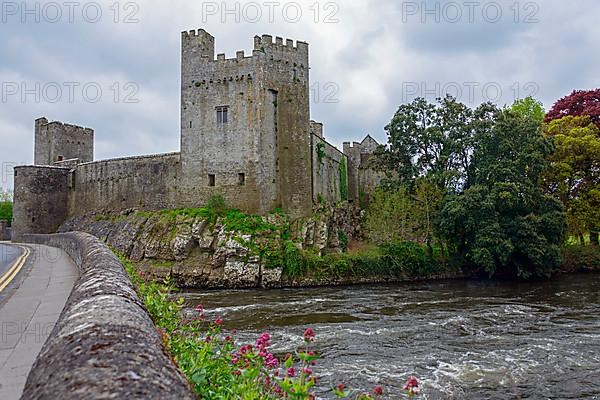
[
  {"x": 340, "y": 387},
  {"x": 199, "y": 308},
  {"x": 270, "y": 361},
  {"x": 278, "y": 389},
  {"x": 307, "y": 371},
  {"x": 412, "y": 386},
  {"x": 263, "y": 341},
  {"x": 219, "y": 320},
  {"x": 245, "y": 349},
  {"x": 291, "y": 372},
  {"x": 378, "y": 390},
  {"x": 309, "y": 335},
  {"x": 412, "y": 382}
]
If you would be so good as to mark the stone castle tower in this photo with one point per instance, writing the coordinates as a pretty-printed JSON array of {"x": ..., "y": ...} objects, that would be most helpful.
[
  {"x": 246, "y": 134},
  {"x": 56, "y": 142},
  {"x": 245, "y": 122}
]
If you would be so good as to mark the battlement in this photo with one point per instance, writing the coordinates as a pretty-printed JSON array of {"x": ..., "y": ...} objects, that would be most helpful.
[
  {"x": 367, "y": 145},
  {"x": 265, "y": 42},
  {"x": 195, "y": 33},
  {"x": 43, "y": 122},
  {"x": 198, "y": 47}
]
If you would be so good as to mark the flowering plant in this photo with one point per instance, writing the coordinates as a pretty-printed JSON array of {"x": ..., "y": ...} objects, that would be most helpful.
[{"x": 218, "y": 368}]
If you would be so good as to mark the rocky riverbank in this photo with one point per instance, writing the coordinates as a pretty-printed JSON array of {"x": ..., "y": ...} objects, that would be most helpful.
[
  {"x": 201, "y": 250},
  {"x": 197, "y": 248}
]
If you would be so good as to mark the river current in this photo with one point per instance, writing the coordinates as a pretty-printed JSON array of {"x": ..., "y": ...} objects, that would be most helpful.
[{"x": 461, "y": 339}]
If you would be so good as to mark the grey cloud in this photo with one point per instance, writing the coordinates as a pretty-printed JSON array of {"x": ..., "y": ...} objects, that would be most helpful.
[{"x": 370, "y": 53}]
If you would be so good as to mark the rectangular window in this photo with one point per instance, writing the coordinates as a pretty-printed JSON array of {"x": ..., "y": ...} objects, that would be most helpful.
[
  {"x": 241, "y": 179},
  {"x": 222, "y": 115},
  {"x": 211, "y": 179}
]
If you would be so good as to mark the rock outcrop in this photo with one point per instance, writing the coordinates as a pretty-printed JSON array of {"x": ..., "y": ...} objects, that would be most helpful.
[{"x": 197, "y": 252}]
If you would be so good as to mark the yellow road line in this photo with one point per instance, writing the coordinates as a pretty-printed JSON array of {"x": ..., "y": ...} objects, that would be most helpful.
[{"x": 14, "y": 270}]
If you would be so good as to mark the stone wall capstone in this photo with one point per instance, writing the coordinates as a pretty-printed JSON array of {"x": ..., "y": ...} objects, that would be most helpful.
[{"x": 104, "y": 344}]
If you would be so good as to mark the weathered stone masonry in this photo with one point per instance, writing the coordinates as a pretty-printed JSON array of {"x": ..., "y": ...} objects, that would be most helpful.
[
  {"x": 104, "y": 344},
  {"x": 246, "y": 134}
]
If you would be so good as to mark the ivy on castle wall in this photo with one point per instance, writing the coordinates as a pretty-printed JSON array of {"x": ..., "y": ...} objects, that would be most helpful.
[{"x": 343, "y": 178}]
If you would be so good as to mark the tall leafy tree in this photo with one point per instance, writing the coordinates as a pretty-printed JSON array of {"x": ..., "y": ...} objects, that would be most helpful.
[
  {"x": 578, "y": 103},
  {"x": 389, "y": 217},
  {"x": 574, "y": 173},
  {"x": 529, "y": 108},
  {"x": 435, "y": 141},
  {"x": 504, "y": 223}
]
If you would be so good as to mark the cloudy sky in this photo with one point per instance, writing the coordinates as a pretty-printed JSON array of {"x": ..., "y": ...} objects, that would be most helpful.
[{"x": 366, "y": 56}]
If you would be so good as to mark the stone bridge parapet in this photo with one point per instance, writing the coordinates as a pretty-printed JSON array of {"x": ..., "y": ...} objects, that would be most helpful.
[{"x": 104, "y": 344}]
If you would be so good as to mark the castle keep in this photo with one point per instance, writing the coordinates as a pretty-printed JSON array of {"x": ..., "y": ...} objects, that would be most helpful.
[{"x": 246, "y": 134}]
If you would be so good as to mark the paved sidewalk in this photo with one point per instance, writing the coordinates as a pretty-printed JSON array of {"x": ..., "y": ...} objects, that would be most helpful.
[{"x": 29, "y": 313}]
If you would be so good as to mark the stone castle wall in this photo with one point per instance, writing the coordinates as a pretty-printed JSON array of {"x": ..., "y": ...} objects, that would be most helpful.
[
  {"x": 326, "y": 171},
  {"x": 41, "y": 198},
  {"x": 362, "y": 178},
  {"x": 145, "y": 182},
  {"x": 5, "y": 231}
]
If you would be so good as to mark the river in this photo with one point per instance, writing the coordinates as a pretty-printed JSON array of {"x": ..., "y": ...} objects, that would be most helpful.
[{"x": 461, "y": 339}]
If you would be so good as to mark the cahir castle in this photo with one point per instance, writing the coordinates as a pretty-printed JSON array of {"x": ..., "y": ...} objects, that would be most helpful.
[{"x": 246, "y": 134}]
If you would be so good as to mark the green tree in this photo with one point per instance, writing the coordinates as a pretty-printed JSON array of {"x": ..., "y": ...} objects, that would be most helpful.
[
  {"x": 574, "y": 173},
  {"x": 389, "y": 217},
  {"x": 435, "y": 141},
  {"x": 6, "y": 205},
  {"x": 426, "y": 203},
  {"x": 504, "y": 223},
  {"x": 529, "y": 108}
]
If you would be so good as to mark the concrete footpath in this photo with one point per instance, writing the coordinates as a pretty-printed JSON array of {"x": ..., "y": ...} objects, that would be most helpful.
[{"x": 29, "y": 307}]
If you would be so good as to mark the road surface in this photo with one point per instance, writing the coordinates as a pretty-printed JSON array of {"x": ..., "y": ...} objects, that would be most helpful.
[
  {"x": 41, "y": 279},
  {"x": 10, "y": 257}
]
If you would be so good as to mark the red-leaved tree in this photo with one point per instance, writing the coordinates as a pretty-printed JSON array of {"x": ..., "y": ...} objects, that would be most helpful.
[{"x": 578, "y": 103}]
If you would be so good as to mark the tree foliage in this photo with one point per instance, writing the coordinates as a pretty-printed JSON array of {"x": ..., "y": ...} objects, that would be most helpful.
[
  {"x": 6, "y": 211},
  {"x": 578, "y": 103},
  {"x": 529, "y": 108},
  {"x": 473, "y": 178},
  {"x": 435, "y": 141},
  {"x": 6, "y": 206},
  {"x": 504, "y": 223},
  {"x": 389, "y": 218},
  {"x": 574, "y": 173}
]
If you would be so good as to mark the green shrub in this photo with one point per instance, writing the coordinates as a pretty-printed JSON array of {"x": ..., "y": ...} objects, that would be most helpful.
[
  {"x": 6, "y": 212},
  {"x": 410, "y": 258},
  {"x": 293, "y": 262},
  {"x": 343, "y": 238},
  {"x": 581, "y": 258}
]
